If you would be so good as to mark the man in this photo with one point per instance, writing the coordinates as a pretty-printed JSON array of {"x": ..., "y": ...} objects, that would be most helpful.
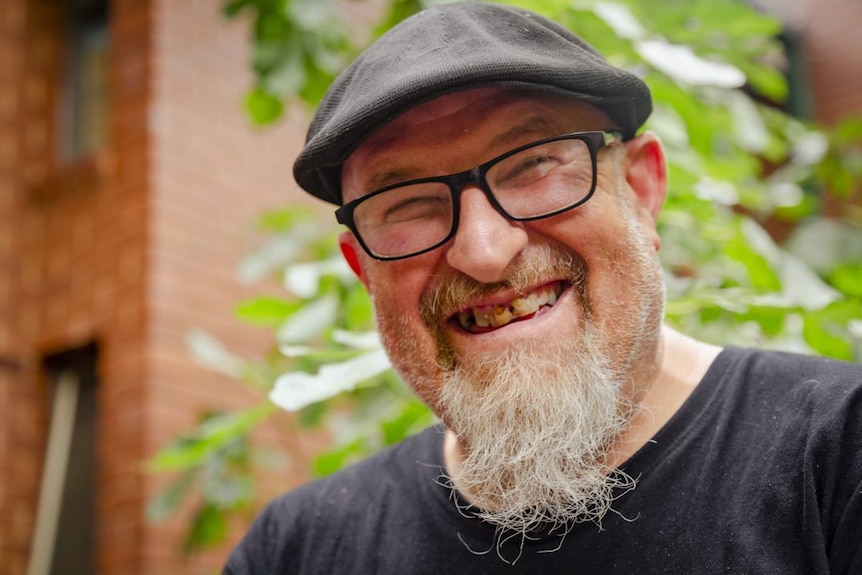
[{"x": 501, "y": 211}]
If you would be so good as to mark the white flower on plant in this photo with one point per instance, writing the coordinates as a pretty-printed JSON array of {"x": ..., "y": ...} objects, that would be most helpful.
[
  {"x": 309, "y": 322},
  {"x": 210, "y": 352},
  {"x": 682, "y": 64},
  {"x": 358, "y": 340},
  {"x": 748, "y": 124},
  {"x": 809, "y": 148},
  {"x": 620, "y": 19},
  {"x": 369, "y": 340},
  {"x": 303, "y": 279},
  {"x": 800, "y": 285},
  {"x": 295, "y": 390},
  {"x": 719, "y": 191},
  {"x": 786, "y": 194}
]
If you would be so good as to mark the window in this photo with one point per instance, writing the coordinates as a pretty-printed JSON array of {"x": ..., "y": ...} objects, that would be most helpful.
[
  {"x": 84, "y": 99},
  {"x": 64, "y": 537}
]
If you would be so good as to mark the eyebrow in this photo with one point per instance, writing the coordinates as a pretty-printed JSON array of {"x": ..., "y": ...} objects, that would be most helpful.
[
  {"x": 535, "y": 124},
  {"x": 389, "y": 177}
]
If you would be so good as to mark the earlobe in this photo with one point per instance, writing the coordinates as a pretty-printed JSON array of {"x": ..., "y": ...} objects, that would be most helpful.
[
  {"x": 350, "y": 251},
  {"x": 646, "y": 175}
]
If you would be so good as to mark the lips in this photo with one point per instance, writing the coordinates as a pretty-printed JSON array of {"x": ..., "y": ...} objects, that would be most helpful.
[{"x": 484, "y": 318}]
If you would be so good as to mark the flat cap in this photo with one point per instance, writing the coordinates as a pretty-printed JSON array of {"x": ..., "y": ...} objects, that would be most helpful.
[{"x": 455, "y": 47}]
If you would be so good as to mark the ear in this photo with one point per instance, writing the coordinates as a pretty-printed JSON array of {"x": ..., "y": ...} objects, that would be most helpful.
[
  {"x": 350, "y": 250},
  {"x": 646, "y": 175}
]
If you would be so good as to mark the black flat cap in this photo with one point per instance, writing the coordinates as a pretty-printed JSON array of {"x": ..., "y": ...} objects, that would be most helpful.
[{"x": 455, "y": 47}]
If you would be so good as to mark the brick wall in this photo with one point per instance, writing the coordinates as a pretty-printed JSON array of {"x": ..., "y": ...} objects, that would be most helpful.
[
  {"x": 131, "y": 248},
  {"x": 25, "y": 60},
  {"x": 81, "y": 275}
]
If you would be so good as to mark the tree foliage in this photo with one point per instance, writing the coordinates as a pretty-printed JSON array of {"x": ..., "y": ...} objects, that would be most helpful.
[{"x": 739, "y": 165}]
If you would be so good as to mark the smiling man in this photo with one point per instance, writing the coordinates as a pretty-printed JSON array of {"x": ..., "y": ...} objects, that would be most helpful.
[{"x": 501, "y": 210}]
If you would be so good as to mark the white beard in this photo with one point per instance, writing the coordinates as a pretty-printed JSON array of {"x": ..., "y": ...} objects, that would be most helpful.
[{"x": 536, "y": 432}]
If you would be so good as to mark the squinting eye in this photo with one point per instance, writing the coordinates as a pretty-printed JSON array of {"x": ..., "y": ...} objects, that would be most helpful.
[
  {"x": 417, "y": 207},
  {"x": 527, "y": 170}
]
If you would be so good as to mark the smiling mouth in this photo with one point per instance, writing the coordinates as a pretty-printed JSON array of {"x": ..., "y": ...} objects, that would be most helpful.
[{"x": 483, "y": 319}]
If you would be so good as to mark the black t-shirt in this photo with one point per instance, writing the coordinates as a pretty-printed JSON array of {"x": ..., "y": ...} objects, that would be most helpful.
[{"x": 759, "y": 472}]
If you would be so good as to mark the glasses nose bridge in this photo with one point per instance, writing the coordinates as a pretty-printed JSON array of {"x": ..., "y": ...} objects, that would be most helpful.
[{"x": 473, "y": 176}]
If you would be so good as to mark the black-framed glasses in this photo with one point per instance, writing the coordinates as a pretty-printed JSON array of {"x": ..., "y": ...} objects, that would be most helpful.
[{"x": 534, "y": 181}]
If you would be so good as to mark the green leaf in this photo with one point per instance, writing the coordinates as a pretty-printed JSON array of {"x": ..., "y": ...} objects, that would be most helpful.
[
  {"x": 768, "y": 82},
  {"x": 267, "y": 310},
  {"x": 287, "y": 75},
  {"x": 356, "y": 309},
  {"x": 822, "y": 337},
  {"x": 263, "y": 107},
  {"x": 313, "y": 415},
  {"x": 213, "y": 354},
  {"x": 331, "y": 461},
  {"x": 308, "y": 322},
  {"x": 760, "y": 272},
  {"x": 317, "y": 81},
  {"x": 284, "y": 220},
  {"x": 232, "y": 9},
  {"x": 404, "y": 424},
  {"x": 398, "y": 11},
  {"x": 192, "y": 450},
  {"x": 169, "y": 499},
  {"x": 228, "y": 491},
  {"x": 208, "y": 529},
  {"x": 847, "y": 278}
]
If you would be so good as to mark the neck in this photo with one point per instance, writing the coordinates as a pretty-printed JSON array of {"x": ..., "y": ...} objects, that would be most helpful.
[{"x": 684, "y": 363}]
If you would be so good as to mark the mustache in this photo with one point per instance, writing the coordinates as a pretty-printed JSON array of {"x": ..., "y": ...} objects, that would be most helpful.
[{"x": 533, "y": 267}]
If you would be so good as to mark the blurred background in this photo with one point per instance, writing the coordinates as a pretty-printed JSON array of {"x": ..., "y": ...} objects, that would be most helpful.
[{"x": 131, "y": 181}]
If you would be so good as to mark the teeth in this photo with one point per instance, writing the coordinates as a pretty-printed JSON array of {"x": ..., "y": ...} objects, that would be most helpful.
[
  {"x": 521, "y": 307},
  {"x": 500, "y": 315}
]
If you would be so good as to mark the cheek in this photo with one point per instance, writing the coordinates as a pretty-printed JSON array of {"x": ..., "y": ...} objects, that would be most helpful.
[
  {"x": 395, "y": 286},
  {"x": 396, "y": 289},
  {"x": 410, "y": 346},
  {"x": 616, "y": 247}
]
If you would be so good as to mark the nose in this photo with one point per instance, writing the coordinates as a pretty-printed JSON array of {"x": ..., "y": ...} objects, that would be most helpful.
[{"x": 486, "y": 242}]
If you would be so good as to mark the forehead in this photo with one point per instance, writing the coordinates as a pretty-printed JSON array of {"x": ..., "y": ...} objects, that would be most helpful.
[{"x": 457, "y": 131}]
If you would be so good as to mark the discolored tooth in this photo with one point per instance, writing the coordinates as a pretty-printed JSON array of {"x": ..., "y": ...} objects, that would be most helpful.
[
  {"x": 552, "y": 297},
  {"x": 500, "y": 316}
]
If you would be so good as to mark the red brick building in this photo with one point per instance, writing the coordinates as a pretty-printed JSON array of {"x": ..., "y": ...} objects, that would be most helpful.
[
  {"x": 115, "y": 241},
  {"x": 121, "y": 224}
]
